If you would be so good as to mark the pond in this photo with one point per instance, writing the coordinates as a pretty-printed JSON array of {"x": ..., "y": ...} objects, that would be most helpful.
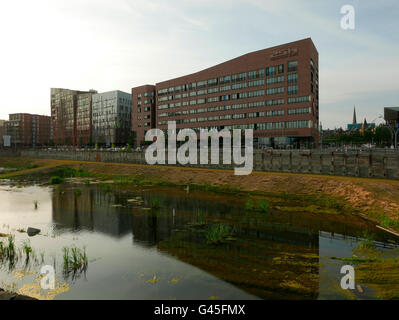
[{"x": 159, "y": 243}]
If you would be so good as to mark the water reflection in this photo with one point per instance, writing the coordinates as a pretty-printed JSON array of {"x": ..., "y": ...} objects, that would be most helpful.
[{"x": 273, "y": 256}]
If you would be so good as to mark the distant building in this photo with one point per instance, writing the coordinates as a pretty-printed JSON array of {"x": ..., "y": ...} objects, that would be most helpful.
[
  {"x": 2, "y": 131},
  {"x": 71, "y": 116},
  {"x": 41, "y": 130},
  {"x": 28, "y": 129},
  {"x": 111, "y": 118},
  {"x": 391, "y": 116},
  {"x": 354, "y": 126}
]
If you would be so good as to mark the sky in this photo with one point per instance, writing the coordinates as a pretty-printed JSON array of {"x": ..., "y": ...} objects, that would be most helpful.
[{"x": 119, "y": 44}]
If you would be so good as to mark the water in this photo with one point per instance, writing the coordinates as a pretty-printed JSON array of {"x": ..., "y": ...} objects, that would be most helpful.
[{"x": 137, "y": 253}]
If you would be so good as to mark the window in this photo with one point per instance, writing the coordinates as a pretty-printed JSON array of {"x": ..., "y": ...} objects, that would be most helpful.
[
  {"x": 213, "y": 99},
  {"x": 270, "y": 71},
  {"x": 258, "y": 93},
  {"x": 201, "y": 84},
  {"x": 256, "y": 83},
  {"x": 225, "y": 79},
  {"x": 271, "y": 91},
  {"x": 275, "y": 80},
  {"x": 299, "y": 99},
  {"x": 274, "y": 102},
  {"x": 213, "y": 90},
  {"x": 239, "y": 86},
  {"x": 212, "y": 82},
  {"x": 251, "y": 75},
  {"x": 225, "y": 88},
  {"x": 292, "y": 78},
  {"x": 292, "y": 66},
  {"x": 293, "y": 89}
]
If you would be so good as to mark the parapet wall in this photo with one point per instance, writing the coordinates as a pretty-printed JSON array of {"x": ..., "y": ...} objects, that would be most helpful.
[{"x": 358, "y": 164}]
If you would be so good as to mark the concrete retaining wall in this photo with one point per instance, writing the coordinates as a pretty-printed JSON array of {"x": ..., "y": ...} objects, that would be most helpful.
[{"x": 364, "y": 164}]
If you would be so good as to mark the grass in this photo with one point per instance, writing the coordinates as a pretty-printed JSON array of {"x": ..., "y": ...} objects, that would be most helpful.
[
  {"x": 75, "y": 259},
  {"x": 8, "y": 251},
  {"x": 261, "y": 205},
  {"x": 56, "y": 180},
  {"x": 27, "y": 249},
  {"x": 367, "y": 240},
  {"x": 154, "y": 203},
  {"x": 217, "y": 233}
]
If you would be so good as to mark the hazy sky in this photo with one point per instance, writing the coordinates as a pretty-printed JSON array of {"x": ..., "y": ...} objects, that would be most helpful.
[{"x": 119, "y": 44}]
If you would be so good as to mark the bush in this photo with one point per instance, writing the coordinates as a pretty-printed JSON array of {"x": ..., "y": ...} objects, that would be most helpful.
[{"x": 56, "y": 180}]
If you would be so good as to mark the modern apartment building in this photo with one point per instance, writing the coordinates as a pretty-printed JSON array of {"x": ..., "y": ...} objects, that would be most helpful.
[
  {"x": 41, "y": 130},
  {"x": 2, "y": 132},
  {"x": 111, "y": 118},
  {"x": 71, "y": 116},
  {"x": 273, "y": 91},
  {"x": 143, "y": 111},
  {"x": 28, "y": 129}
]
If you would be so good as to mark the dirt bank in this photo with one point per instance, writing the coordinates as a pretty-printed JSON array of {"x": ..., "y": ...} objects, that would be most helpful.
[{"x": 376, "y": 198}]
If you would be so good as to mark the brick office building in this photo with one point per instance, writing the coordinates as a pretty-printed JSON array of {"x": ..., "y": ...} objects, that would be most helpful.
[
  {"x": 143, "y": 111},
  {"x": 41, "y": 130},
  {"x": 28, "y": 129},
  {"x": 71, "y": 112},
  {"x": 274, "y": 91}
]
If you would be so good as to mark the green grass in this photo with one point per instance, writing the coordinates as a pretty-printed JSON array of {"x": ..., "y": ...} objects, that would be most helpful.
[
  {"x": 260, "y": 205},
  {"x": 367, "y": 240},
  {"x": 154, "y": 203},
  {"x": 75, "y": 259},
  {"x": 217, "y": 233},
  {"x": 8, "y": 251},
  {"x": 56, "y": 180},
  {"x": 27, "y": 249}
]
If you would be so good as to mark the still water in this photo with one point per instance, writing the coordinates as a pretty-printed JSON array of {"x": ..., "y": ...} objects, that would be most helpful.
[{"x": 135, "y": 252}]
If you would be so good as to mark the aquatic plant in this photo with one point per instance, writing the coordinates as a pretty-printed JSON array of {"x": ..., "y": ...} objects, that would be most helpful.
[
  {"x": 9, "y": 251},
  {"x": 154, "y": 203},
  {"x": 107, "y": 187},
  {"x": 217, "y": 233},
  {"x": 367, "y": 240},
  {"x": 75, "y": 259},
  {"x": 249, "y": 205},
  {"x": 27, "y": 249},
  {"x": 261, "y": 205},
  {"x": 56, "y": 180}
]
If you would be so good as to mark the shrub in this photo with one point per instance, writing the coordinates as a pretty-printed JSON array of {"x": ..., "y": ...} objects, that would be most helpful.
[{"x": 56, "y": 180}]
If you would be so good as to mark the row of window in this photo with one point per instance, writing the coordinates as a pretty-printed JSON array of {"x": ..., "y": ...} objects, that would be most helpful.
[
  {"x": 251, "y": 94},
  {"x": 296, "y": 124},
  {"x": 292, "y": 66},
  {"x": 236, "y": 86}
]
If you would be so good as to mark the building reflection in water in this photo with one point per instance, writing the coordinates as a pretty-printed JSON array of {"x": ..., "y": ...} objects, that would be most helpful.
[{"x": 266, "y": 237}]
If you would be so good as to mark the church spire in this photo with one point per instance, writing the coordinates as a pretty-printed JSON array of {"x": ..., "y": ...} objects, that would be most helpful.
[{"x": 354, "y": 115}]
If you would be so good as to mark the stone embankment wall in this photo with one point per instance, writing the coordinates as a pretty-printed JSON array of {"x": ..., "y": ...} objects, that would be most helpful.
[{"x": 358, "y": 164}]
